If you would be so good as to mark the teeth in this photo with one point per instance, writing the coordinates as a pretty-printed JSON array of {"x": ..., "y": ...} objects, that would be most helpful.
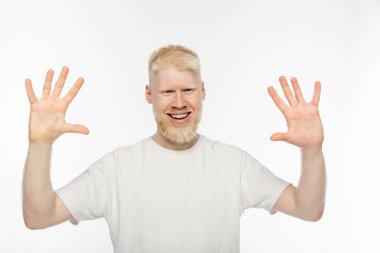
[{"x": 179, "y": 116}]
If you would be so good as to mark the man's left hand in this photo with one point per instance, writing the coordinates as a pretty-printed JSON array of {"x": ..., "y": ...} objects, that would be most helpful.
[{"x": 304, "y": 123}]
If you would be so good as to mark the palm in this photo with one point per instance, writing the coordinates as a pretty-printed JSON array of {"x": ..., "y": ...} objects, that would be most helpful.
[
  {"x": 47, "y": 117},
  {"x": 47, "y": 114},
  {"x": 304, "y": 124}
]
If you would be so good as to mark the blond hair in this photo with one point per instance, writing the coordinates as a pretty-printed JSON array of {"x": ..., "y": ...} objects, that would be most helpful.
[{"x": 175, "y": 56}]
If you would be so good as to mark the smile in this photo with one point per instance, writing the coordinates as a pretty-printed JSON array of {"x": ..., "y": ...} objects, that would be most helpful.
[{"x": 179, "y": 116}]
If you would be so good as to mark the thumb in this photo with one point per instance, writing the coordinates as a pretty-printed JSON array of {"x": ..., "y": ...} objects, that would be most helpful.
[
  {"x": 278, "y": 137},
  {"x": 76, "y": 128}
]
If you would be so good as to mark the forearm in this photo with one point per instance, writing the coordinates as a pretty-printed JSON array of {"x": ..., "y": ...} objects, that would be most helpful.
[
  {"x": 310, "y": 196},
  {"x": 38, "y": 194}
]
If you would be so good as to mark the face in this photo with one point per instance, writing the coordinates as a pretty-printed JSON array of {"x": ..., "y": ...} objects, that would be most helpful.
[{"x": 177, "y": 98}]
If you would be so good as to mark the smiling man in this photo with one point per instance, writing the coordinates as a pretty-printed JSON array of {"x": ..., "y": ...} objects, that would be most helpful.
[
  {"x": 176, "y": 92},
  {"x": 176, "y": 191}
]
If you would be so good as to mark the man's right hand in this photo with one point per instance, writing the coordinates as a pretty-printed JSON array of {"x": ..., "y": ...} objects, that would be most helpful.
[
  {"x": 42, "y": 207},
  {"x": 47, "y": 114}
]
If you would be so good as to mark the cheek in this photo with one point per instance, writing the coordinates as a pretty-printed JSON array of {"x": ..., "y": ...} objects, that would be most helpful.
[
  {"x": 160, "y": 106},
  {"x": 196, "y": 103}
]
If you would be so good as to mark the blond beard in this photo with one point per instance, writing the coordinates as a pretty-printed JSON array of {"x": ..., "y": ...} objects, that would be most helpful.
[{"x": 178, "y": 135}]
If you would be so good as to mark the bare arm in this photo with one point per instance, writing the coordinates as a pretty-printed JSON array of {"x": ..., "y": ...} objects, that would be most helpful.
[
  {"x": 305, "y": 131},
  {"x": 41, "y": 205},
  {"x": 307, "y": 200}
]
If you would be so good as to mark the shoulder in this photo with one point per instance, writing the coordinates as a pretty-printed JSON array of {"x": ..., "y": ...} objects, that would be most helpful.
[
  {"x": 122, "y": 152},
  {"x": 119, "y": 158},
  {"x": 222, "y": 147},
  {"x": 229, "y": 151},
  {"x": 128, "y": 151}
]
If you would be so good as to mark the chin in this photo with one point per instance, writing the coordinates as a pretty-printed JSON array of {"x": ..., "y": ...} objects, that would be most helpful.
[{"x": 176, "y": 135}]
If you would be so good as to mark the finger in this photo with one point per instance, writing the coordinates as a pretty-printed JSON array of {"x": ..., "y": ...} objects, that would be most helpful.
[
  {"x": 277, "y": 100},
  {"x": 317, "y": 93},
  {"x": 297, "y": 90},
  {"x": 74, "y": 90},
  {"x": 60, "y": 82},
  {"x": 278, "y": 137},
  {"x": 288, "y": 93},
  {"x": 75, "y": 128},
  {"x": 47, "y": 85},
  {"x": 29, "y": 91}
]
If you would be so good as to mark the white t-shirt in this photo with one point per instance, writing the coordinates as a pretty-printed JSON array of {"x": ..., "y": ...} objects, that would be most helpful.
[{"x": 157, "y": 200}]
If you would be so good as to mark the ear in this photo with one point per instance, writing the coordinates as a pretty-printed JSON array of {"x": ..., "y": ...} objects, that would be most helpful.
[
  {"x": 148, "y": 94},
  {"x": 203, "y": 91}
]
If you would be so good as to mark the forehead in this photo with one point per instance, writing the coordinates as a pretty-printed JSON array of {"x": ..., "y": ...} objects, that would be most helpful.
[{"x": 172, "y": 78}]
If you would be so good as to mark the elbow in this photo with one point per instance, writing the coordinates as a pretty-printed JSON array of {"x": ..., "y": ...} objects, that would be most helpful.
[
  {"x": 28, "y": 221},
  {"x": 32, "y": 223},
  {"x": 35, "y": 219},
  {"x": 315, "y": 216}
]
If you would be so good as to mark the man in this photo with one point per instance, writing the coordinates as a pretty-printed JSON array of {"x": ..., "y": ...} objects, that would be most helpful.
[{"x": 176, "y": 191}]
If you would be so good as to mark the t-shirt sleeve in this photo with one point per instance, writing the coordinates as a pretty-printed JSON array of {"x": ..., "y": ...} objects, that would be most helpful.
[
  {"x": 260, "y": 188},
  {"x": 88, "y": 195}
]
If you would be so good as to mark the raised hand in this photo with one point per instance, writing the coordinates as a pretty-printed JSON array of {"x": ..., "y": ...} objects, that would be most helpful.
[
  {"x": 47, "y": 114},
  {"x": 304, "y": 123}
]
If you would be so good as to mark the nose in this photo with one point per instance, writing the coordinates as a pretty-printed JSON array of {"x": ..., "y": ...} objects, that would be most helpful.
[{"x": 178, "y": 102}]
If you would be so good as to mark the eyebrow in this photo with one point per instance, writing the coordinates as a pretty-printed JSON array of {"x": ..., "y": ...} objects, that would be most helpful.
[{"x": 165, "y": 90}]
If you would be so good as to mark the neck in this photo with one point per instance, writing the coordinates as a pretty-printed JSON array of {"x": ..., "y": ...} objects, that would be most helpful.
[{"x": 162, "y": 141}]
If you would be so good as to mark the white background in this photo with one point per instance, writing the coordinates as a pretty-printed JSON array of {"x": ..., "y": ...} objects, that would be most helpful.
[{"x": 244, "y": 47}]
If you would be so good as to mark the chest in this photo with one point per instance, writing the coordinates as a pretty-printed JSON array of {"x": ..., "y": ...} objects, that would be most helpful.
[{"x": 198, "y": 184}]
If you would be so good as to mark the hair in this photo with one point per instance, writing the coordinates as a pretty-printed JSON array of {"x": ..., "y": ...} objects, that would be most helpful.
[{"x": 175, "y": 56}]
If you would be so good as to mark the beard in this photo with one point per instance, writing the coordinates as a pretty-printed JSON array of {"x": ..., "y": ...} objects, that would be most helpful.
[{"x": 178, "y": 135}]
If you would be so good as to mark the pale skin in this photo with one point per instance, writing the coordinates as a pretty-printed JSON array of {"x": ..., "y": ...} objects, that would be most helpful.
[
  {"x": 305, "y": 131},
  {"x": 43, "y": 208},
  {"x": 175, "y": 91},
  {"x": 41, "y": 205}
]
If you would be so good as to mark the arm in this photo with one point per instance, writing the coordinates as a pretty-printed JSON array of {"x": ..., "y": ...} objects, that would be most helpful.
[
  {"x": 305, "y": 131},
  {"x": 307, "y": 200},
  {"x": 41, "y": 205}
]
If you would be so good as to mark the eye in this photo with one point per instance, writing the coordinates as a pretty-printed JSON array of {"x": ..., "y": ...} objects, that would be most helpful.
[
  {"x": 188, "y": 91},
  {"x": 166, "y": 92}
]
